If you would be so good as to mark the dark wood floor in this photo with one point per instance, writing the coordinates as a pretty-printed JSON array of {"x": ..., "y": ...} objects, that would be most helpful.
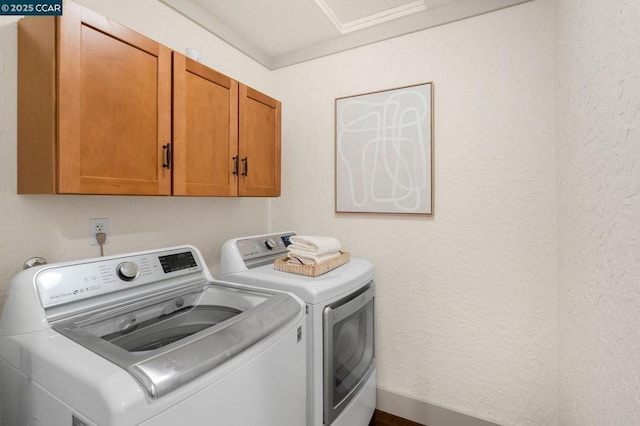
[{"x": 380, "y": 418}]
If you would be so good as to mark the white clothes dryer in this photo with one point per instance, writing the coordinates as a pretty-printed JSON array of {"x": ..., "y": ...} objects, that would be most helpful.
[
  {"x": 340, "y": 303},
  {"x": 149, "y": 338}
]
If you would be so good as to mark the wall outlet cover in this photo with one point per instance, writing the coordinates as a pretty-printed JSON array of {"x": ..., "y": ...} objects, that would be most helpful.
[{"x": 98, "y": 225}]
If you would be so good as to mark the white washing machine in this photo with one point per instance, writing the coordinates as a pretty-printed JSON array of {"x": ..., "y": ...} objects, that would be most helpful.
[
  {"x": 341, "y": 357},
  {"x": 149, "y": 339}
]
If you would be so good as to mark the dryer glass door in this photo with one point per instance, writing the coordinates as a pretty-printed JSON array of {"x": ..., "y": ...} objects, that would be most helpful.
[{"x": 349, "y": 354}]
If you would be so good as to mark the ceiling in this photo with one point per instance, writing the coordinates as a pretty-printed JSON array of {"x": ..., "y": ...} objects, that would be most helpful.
[{"x": 278, "y": 33}]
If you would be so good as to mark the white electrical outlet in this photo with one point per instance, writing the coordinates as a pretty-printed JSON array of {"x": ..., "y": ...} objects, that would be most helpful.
[{"x": 98, "y": 225}]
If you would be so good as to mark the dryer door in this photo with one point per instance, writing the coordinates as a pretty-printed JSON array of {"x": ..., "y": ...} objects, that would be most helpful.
[{"x": 349, "y": 354}]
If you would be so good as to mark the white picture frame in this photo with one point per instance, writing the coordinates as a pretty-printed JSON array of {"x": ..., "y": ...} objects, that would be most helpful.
[{"x": 384, "y": 151}]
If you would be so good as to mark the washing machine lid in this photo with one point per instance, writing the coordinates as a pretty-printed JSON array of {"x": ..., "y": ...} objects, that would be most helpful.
[
  {"x": 340, "y": 281},
  {"x": 157, "y": 314},
  {"x": 167, "y": 341}
]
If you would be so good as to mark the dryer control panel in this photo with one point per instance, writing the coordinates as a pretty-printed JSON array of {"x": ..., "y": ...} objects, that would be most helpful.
[
  {"x": 250, "y": 248},
  {"x": 240, "y": 254}
]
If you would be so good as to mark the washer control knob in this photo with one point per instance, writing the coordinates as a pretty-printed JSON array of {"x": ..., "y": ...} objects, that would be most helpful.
[
  {"x": 127, "y": 271},
  {"x": 270, "y": 243}
]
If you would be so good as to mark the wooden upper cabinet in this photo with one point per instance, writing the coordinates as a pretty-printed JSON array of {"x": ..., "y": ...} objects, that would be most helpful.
[
  {"x": 94, "y": 106},
  {"x": 226, "y": 136},
  {"x": 105, "y": 110},
  {"x": 259, "y": 143},
  {"x": 205, "y": 130}
]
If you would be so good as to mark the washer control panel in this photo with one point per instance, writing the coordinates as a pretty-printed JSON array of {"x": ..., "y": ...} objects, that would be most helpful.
[{"x": 73, "y": 282}]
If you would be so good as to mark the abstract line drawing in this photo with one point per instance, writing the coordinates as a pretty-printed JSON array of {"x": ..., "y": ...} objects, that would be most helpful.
[{"x": 384, "y": 151}]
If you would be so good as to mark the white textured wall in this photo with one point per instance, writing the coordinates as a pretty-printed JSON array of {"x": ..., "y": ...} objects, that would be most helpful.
[
  {"x": 598, "y": 50},
  {"x": 57, "y": 227},
  {"x": 466, "y": 300}
]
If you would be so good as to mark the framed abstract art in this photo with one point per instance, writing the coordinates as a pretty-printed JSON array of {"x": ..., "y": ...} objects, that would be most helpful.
[{"x": 384, "y": 151}]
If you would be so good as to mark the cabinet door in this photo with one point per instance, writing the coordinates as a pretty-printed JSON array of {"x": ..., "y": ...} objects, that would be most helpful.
[
  {"x": 259, "y": 144},
  {"x": 114, "y": 103},
  {"x": 205, "y": 130}
]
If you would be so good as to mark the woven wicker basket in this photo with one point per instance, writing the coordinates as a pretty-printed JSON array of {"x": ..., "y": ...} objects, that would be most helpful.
[{"x": 283, "y": 265}]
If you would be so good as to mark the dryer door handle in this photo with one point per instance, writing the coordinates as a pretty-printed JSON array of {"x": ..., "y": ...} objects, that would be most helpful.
[{"x": 354, "y": 305}]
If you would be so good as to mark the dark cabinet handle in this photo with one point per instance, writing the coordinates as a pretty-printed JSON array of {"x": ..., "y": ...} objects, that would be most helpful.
[
  {"x": 235, "y": 165},
  {"x": 167, "y": 156},
  {"x": 245, "y": 160}
]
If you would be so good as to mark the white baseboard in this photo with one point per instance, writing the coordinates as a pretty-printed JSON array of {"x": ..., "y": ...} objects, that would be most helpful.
[{"x": 422, "y": 412}]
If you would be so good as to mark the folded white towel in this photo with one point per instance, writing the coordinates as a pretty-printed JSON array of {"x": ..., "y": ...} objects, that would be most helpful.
[
  {"x": 314, "y": 245},
  {"x": 298, "y": 258}
]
